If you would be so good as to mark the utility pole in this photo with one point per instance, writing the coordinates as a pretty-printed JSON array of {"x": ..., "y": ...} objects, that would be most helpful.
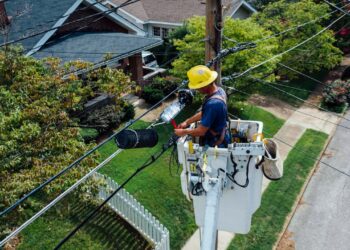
[{"x": 214, "y": 24}]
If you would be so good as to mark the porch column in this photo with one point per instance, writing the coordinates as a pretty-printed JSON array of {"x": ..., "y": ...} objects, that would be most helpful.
[{"x": 136, "y": 68}]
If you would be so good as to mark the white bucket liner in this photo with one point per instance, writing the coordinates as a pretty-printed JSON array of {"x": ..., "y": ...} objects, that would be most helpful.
[{"x": 273, "y": 164}]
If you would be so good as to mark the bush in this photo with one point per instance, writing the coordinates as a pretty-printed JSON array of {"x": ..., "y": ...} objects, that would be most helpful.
[
  {"x": 337, "y": 93},
  {"x": 104, "y": 118},
  {"x": 336, "y": 96},
  {"x": 152, "y": 95},
  {"x": 89, "y": 134},
  {"x": 159, "y": 88},
  {"x": 129, "y": 112}
]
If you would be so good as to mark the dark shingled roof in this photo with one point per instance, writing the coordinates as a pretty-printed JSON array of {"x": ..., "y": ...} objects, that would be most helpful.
[
  {"x": 28, "y": 14},
  {"x": 94, "y": 46}
]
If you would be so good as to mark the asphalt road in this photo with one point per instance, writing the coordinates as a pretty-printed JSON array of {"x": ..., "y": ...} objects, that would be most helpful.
[{"x": 322, "y": 220}]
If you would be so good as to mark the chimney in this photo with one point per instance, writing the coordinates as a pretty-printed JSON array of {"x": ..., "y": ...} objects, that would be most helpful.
[{"x": 4, "y": 19}]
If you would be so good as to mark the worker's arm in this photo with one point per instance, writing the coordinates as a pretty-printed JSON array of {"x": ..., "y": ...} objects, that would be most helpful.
[
  {"x": 190, "y": 120},
  {"x": 199, "y": 131}
]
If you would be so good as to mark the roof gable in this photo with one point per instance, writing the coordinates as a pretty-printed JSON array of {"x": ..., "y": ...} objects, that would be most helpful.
[
  {"x": 44, "y": 16},
  {"x": 174, "y": 11},
  {"x": 27, "y": 15}
]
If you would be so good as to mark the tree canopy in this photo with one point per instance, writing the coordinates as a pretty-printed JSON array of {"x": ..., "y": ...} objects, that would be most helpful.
[
  {"x": 314, "y": 55},
  {"x": 192, "y": 46},
  {"x": 38, "y": 138}
]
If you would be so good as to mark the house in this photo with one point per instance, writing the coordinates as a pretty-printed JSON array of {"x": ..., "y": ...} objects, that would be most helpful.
[
  {"x": 75, "y": 29},
  {"x": 158, "y": 17}
]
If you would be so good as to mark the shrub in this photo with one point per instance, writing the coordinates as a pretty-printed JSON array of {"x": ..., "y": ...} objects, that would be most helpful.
[
  {"x": 152, "y": 95},
  {"x": 104, "y": 118},
  {"x": 336, "y": 95},
  {"x": 159, "y": 88},
  {"x": 128, "y": 111},
  {"x": 89, "y": 134}
]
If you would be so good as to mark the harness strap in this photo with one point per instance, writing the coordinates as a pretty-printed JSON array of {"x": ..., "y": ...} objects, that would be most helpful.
[{"x": 222, "y": 134}]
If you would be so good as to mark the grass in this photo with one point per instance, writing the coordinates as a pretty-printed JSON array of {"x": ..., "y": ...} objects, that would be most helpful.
[
  {"x": 156, "y": 189},
  {"x": 279, "y": 197},
  {"x": 301, "y": 83},
  {"x": 105, "y": 231},
  {"x": 249, "y": 112}
]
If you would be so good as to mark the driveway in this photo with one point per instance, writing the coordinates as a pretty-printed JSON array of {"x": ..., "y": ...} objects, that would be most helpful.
[{"x": 322, "y": 218}]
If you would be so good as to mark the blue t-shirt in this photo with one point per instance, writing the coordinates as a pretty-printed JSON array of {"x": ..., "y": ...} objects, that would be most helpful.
[{"x": 214, "y": 114}]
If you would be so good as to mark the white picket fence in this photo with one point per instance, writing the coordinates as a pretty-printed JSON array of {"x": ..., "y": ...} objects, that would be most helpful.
[{"x": 125, "y": 205}]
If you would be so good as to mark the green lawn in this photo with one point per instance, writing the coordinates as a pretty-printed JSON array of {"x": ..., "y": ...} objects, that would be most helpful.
[
  {"x": 249, "y": 112},
  {"x": 279, "y": 197},
  {"x": 159, "y": 192},
  {"x": 301, "y": 83},
  {"x": 105, "y": 231},
  {"x": 155, "y": 188}
]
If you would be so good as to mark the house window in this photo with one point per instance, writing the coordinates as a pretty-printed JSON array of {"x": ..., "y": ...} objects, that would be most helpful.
[
  {"x": 156, "y": 31},
  {"x": 165, "y": 32}
]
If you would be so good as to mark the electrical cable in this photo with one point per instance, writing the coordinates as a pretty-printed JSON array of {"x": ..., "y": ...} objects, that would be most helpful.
[
  {"x": 303, "y": 74},
  {"x": 296, "y": 110},
  {"x": 88, "y": 153},
  {"x": 62, "y": 195},
  {"x": 296, "y": 97},
  {"x": 303, "y": 151},
  {"x": 337, "y": 8},
  {"x": 297, "y": 26},
  {"x": 79, "y": 28},
  {"x": 290, "y": 87},
  {"x": 236, "y": 171},
  {"x": 128, "y": 2},
  {"x": 237, "y": 75},
  {"x": 81, "y": 70},
  {"x": 62, "y": 16},
  {"x": 147, "y": 163}
]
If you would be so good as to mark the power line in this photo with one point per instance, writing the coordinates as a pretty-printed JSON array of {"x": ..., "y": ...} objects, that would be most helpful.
[
  {"x": 63, "y": 16},
  {"x": 295, "y": 109},
  {"x": 237, "y": 75},
  {"x": 296, "y": 97},
  {"x": 147, "y": 163},
  {"x": 299, "y": 25},
  {"x": 128, "y": 2},
  {"x": 302, "y": 150},
  {"x": 290, "y": 87},
  {"x": 337, "y": 8},
  {"x": 96, "y": 64},
  {"x": 88, "y": 153}
]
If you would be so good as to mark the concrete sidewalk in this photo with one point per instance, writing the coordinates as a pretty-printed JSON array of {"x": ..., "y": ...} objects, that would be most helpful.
[
  {"x": 321, "y": 220},
  {"x": 290, "y": 133}
]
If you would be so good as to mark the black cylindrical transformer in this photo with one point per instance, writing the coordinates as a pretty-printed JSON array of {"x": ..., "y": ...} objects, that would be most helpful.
[{"x": 137, "y": 138}]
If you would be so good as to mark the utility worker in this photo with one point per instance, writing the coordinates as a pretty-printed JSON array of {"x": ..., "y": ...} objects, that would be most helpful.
[{"x": 213, "y": 114}]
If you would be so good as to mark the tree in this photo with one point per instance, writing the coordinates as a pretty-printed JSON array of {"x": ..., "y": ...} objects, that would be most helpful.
[
  {"x": 37, "y": 136},
  {"x": 192, "y": 47},
  {"x": 317, "y": 54}
]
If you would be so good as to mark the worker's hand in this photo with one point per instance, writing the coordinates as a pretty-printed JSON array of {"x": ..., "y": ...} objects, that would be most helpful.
[
  {"x": 182, "y": 125},
  {"x": 180, "y": 132}
]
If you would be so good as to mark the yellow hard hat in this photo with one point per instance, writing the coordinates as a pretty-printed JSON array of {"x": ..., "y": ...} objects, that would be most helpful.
[{"x": 200, "y": 76}]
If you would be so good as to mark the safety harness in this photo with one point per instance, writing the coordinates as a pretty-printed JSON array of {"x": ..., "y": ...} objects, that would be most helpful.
[{"x": 219, "y": 137}]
